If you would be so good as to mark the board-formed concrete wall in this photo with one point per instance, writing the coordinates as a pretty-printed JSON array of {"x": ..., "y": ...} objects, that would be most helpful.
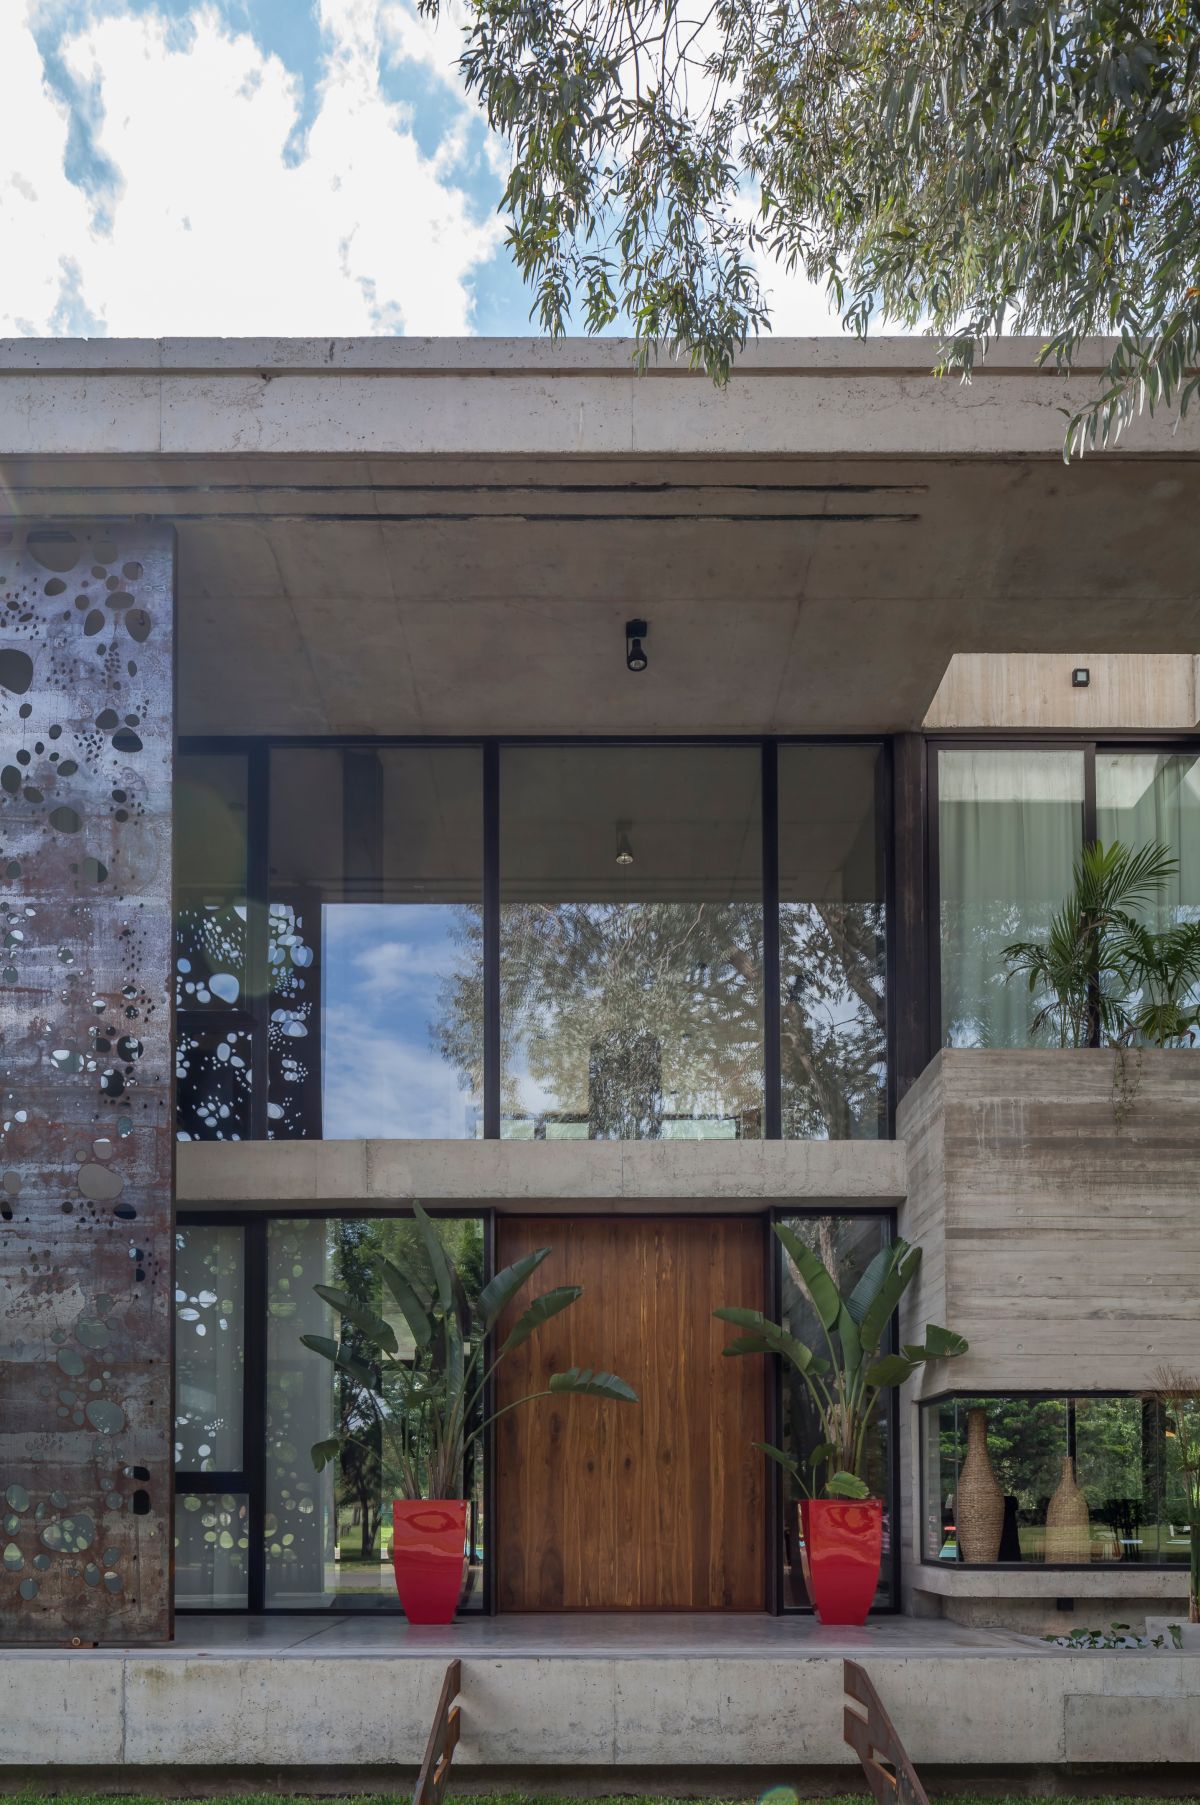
[
  {"x": 86, "y": 759},
  {"x": 1056, "y": 1198},
  {"x": 1056, "y": 1195}
]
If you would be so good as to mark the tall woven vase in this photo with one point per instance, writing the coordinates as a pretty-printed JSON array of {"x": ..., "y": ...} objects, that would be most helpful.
[
  {"x": 1068, "y": 1527},
  {"x": 979, "y": 1506}
]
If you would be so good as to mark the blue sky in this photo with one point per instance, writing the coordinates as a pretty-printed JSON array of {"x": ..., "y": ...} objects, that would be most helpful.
[{"x": 253, "y": 166}]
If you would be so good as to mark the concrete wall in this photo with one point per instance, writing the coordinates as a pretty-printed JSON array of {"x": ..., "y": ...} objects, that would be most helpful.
[
  {"x": 570, "y": 1176},
  {"x": 295, "y": 1711},
  {"x": 1055, "y": 1197},
  {"x": 1033, "y": 690}
]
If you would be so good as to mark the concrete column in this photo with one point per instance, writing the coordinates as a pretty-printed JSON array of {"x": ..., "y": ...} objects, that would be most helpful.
[{"x": 86, "y": 751}]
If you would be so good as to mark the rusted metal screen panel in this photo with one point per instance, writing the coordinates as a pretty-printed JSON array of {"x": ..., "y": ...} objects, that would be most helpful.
[{"x": 86, "y": 757}]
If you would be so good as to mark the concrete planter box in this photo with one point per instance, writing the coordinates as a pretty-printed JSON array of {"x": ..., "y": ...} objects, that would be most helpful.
[{"x": 1056, "y": 1195}]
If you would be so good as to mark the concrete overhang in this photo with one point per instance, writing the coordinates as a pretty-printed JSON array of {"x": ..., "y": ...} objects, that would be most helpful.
[{"x": 441, "y": 535}]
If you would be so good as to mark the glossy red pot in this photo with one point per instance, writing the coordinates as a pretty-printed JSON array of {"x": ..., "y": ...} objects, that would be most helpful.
[
  {"x": 429, "y": 1539},
  {"x": 843, "y": 1547}
]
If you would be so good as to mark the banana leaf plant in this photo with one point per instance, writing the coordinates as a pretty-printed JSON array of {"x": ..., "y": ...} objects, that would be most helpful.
[
  {"x": 426, "y": 1403},
  {"x": 845, "y": 1380}
]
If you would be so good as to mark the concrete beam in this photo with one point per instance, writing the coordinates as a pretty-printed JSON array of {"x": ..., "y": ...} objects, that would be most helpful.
[
  {"x": 610, "y": 1176},
  {"x": 526, "y": 396}
]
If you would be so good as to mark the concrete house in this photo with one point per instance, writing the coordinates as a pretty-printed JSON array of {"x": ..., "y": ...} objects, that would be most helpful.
[{"x": 595, "y": 806}]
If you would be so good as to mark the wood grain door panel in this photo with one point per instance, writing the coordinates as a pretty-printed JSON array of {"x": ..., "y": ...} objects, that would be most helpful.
[{"x": 651, "y": 1506}]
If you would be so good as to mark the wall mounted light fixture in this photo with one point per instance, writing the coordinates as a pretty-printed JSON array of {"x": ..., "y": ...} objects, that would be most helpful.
[{"x": 635, "y": 652}]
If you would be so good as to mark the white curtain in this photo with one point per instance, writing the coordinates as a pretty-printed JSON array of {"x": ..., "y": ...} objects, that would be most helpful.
[
  {"x": 1010, "y": 828},
  {"x": 1146, "y": 797}
]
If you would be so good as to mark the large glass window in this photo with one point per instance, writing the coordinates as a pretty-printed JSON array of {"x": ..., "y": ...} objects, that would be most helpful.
[
  {"x": 260, "y": 1527},
  {"x": 332, "y": 946},
  {"x": 1143, "y": 798},
  {"x": 1010, "y": 828},
  {"x": 631, "y": 935},
  {"x": 1084, "y": 1479},
  {"x": 832, "y": 943},
  {"x": 376, "y": 888},
  {"x": 845, "y": 1244}
]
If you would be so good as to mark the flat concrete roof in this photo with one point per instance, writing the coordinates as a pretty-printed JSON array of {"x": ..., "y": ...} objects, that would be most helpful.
[{"x": 446, "y": 535}]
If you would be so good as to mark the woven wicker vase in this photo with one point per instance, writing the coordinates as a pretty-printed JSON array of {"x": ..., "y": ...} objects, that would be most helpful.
[
  {"x": 979, "y": 1506},
  {"x": 1068, "y": 1527}
]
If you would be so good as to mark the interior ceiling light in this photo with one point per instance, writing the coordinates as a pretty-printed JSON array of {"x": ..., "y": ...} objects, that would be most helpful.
[
  {"x": 624, "y": 846},
  {"x": 635, "y": 651}
]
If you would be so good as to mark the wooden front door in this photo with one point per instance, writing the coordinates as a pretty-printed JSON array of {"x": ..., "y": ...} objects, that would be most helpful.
[{"x": 654, "y": 1506}]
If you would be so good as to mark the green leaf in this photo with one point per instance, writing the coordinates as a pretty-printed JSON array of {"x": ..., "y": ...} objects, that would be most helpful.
[
  {"x": 846, "y": 1485},
  {"x": 325, "y": 1451},
  {"x": 763, "y": 1329},
  {"x": 378, "y": 1332},
  {"x": 824, "y": 1450},
  {"x": 358, "y": 1369},
  {"x": 882, "y": 1307},
  {"x": 867, "y": 1288},
  {"x": 411, "y": 1307},
  {"x": 781, "y": 1459},
  {"x": 943, "y": 1344},
  {"x": 540, "y": 1311},
  {"x": 321, "y": 1344},
  {"x": 748, "y": 1344},
  {"x": 820, "y": 1287},
  {"x": 848, "y": 1336},
  {"x": 496, "y": 1296},
  {"x": 584, "y": 1383},
  {"x": 892, "y": 1369},
  {"x": 439, "y": 1264}
]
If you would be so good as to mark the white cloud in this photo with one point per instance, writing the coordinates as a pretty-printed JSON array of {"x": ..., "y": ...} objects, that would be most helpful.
[{"x": 209, "y": 228}]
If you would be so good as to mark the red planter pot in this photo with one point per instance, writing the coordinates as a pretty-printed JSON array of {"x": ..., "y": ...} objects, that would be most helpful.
[
  {"x": 843, "y": 1546},
  {"x": 429, "y": 1540}
]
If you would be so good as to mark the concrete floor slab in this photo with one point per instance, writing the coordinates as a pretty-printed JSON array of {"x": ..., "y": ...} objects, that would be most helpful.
[{"x": 315, "y": 1693}]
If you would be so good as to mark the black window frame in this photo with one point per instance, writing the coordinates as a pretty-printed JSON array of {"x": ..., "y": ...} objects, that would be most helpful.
[
  {"x": 776, "y": 1582},
  {"x": 251, "y": 1481},
  {"x": 1089, "y": 745},
  {"x": 1036, "y": 1395},
  {"x": 258, "y": 749}
]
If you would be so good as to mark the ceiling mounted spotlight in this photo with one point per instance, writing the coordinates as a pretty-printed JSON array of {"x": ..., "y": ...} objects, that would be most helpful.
[
  {"x": 624, "y": 844},
  {"x": 635, "y": 651}
]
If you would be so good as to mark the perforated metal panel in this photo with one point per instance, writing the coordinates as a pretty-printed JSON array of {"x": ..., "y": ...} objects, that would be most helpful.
[{"x": 86, "y": 749}]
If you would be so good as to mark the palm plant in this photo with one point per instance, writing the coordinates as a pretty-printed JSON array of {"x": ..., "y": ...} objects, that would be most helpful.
[
  {"x": 1100, "y": 969},
  {"x": 427, "y": 1406},
  {"x": 845, "y": 1381}
]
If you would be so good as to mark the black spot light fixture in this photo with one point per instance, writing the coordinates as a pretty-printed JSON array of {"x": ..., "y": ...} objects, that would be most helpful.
[{"x": 635, "y": 652}]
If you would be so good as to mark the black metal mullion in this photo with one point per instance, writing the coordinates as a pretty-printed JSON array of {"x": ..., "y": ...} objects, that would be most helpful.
[
  {"x": 772, "y": 1051},
  {"x": 254, "y": 1407},
  {"x": 491, "y": 941},
  {"x": 258, "y": 875}
]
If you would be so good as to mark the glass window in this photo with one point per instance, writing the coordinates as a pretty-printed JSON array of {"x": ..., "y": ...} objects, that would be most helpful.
[
  {"x": 209, "y": 1349},
  {"x": 210, "y": 881},
  {"x": 832, "y": 943},
  {"x": 1084, "y": 1479},
  {"x": 212, "y": 1546},
  {"x": 376, "y": 943},
  {"x": 845, "y": 1245},
  {"x": 329, "y": 1534},
  {"x": 631, "y": 943},
  {"x": 1148, "y": 797},
  {"x": 1010, "y": 828}
]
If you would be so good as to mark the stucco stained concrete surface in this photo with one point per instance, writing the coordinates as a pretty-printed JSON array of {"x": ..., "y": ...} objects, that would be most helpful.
[
  {"x": 446, "y": 536},
  {"x": 724, "y": 1176},
  {"x": 626, "y": 1692}
]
